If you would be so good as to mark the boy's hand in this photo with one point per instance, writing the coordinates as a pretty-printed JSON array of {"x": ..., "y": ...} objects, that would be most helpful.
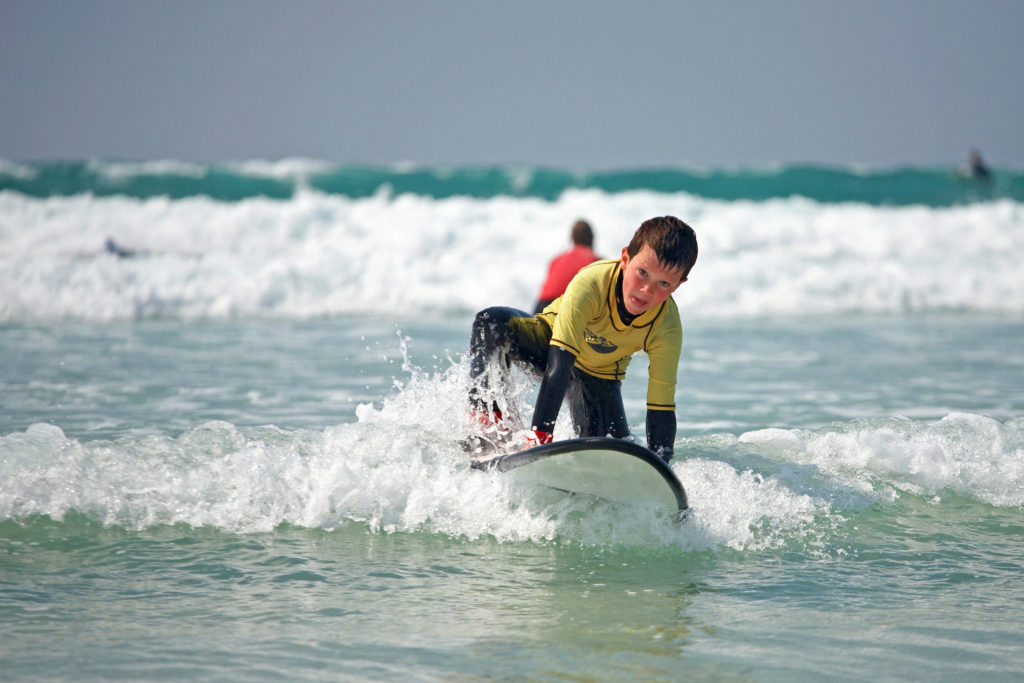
[{"x": 536, "y": 437}]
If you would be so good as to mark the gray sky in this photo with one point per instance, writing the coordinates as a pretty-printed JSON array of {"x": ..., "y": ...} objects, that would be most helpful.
[{"x": 568, "y": 84}]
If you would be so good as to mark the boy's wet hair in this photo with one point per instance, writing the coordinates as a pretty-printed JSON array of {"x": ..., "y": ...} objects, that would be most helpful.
[{"x": 672, "y": 240}]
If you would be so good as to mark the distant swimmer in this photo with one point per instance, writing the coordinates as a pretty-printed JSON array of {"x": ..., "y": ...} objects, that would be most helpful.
[
  {"x": 564, "y": 266},
  {"x": 111, "y": 247},
  {"x": 979, "y": 170},
  {"x": 117, "y": 250},
  {"x": 976, "y": 167}
]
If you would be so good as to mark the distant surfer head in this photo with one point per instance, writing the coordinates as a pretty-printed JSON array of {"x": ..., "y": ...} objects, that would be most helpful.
[
  {"x": 657, "y": 260},
  {"x": 582, "y": 234}
]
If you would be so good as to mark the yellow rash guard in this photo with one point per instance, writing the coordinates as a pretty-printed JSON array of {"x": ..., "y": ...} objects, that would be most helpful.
[{"x": 585, "y": 322}]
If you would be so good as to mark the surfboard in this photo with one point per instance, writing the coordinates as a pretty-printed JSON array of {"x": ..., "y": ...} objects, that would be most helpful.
[{"x": 612, "y": 469}]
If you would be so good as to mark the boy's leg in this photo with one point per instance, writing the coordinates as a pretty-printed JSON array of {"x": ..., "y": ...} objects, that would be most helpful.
[
  {"x": 596, "y": 406},
  {"x": 500, "y": 336}
]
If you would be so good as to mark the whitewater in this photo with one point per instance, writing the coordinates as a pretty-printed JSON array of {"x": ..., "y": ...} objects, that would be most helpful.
[{"x": 319, "y": 255}]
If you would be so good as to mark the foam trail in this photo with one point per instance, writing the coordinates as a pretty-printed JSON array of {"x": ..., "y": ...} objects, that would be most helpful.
[{"x": 397, "y": 469}]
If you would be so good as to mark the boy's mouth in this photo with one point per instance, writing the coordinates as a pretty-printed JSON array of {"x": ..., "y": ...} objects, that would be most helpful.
[{"x": 636, "y": 304}]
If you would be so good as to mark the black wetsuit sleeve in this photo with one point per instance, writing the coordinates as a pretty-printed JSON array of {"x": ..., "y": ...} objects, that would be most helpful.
[
  {"x": 661, "y": 432},
  {"x": 552, "y": 389}
]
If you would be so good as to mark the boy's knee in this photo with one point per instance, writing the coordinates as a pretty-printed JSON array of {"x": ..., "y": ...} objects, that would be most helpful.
[
  {"x": 488, "y": 317},
  {"x": 493, "y": 322}
]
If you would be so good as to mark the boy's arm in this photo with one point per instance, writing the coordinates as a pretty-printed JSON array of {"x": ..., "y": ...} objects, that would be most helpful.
[
  {"x": 661, "y": 432},
  {"x": 582, "y": 300},
  {"x": 664, "y": 352},
  {"x": 552, "y": 392}
]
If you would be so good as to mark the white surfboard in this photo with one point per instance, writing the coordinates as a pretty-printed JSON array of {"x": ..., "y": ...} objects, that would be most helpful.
[{"x": 616, "y": 470}]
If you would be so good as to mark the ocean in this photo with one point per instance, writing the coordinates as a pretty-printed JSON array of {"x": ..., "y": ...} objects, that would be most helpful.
[{"x": 231, "y": 398}]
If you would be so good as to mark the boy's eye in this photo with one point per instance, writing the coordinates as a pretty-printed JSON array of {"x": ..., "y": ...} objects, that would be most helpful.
[{"x": 641, "y": 272}]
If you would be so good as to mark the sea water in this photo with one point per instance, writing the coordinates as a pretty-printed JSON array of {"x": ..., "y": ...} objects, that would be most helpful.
[{"x": 231, "y": 451}]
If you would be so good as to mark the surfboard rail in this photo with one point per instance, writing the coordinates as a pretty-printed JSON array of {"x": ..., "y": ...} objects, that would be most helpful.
[{"x": 573, "y": 464}]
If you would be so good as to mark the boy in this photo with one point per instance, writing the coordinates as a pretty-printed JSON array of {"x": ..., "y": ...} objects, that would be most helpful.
[{"x": 582, "y": 342}]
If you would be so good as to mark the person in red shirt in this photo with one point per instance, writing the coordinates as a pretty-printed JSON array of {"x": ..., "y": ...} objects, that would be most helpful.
[{"x": 564, "y": 266}]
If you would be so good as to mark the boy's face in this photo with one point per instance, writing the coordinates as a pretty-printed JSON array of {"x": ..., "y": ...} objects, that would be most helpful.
[{"x": 645, "y": 282}]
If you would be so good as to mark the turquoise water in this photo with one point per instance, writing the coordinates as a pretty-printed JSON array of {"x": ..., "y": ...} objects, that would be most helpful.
[
  {"x": 233, "y": 454},
  {"x": 173, "y": 603},
  {"x": 929, "y": 186}
]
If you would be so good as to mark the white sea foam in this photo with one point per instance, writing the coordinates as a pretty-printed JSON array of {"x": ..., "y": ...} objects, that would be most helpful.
[
  {"x": 399, "y": 468},
  {"x": 972, "y": 455},
  {"x": 16, "y": 170},
  {"x": 320, "y": 254},
  {"x": 391, "y": 477},
  {"x": 294, "y": 168},
  {"x": 121, "y": 170},
  {"x": 394, "y": 473}
]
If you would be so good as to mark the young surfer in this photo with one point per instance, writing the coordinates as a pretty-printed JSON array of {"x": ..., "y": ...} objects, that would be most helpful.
[{"x": 582, "y": 342}]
